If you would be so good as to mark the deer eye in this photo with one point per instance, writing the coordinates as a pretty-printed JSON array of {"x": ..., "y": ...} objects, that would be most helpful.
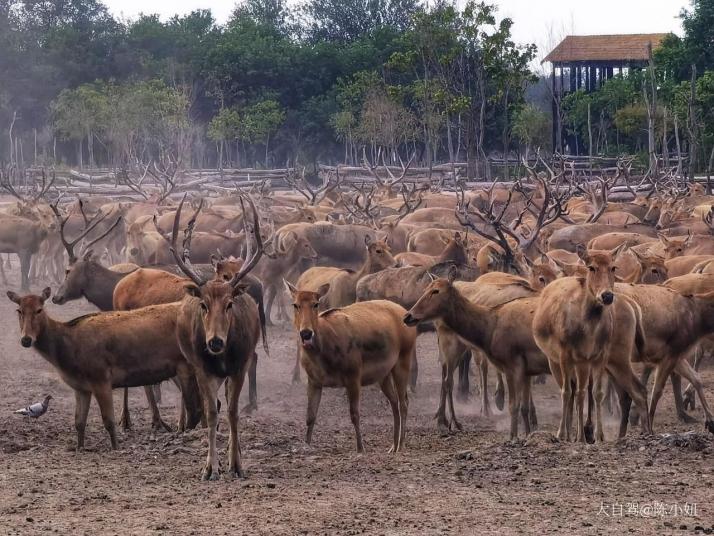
[
  {"x": 229, "y": 305},
  {"x": 38, "y": 311},
  {"x": 613, "y": 268},
  {"x": 204, "y": 307},
  {"x": 541, "y": 279},
  {"x": 226, "y": 277},
  {"x": 591, "y": 268},
  {"x": 435, "y": 291}
]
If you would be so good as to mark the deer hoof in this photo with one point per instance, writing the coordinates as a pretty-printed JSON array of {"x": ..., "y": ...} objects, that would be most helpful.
[
  {"x": 248, "y": 409},
  {"x": 209, "y": 474},
  {"x": 688, "y": 400},
  {"x": 588, "y": 434},
  {"x": 686, "y": 418},
  {"x": 710, "y": 426}
]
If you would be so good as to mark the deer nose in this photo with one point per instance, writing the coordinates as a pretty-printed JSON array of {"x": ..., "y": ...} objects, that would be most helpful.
[
  {"x": 216, "y": 345},
  {"x": 306, "y": 335},
  {"x": 26, "y": 341},
  {"x": 607, "y": 297},
  {"x": 658, "y": 226}
]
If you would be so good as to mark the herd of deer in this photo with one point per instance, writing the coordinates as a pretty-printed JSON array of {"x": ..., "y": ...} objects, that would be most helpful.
[{"x": 550, "y": 276}]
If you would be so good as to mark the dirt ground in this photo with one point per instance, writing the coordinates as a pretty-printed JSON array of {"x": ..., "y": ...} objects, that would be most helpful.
[{"x": 473, "y": 482}]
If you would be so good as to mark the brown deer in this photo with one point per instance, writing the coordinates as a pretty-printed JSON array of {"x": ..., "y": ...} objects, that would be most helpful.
[
  {"x": 218, "y": 329},
  {"x": 99, "y": 352},
  {"x": 454, "y": 251},
  {"x": 351, "y": 347},
  {"x": 503, "y": 333},
  {"x": 673, "y": 325},
  {"x": 585, "y": 330},
  {"x": 343, "y": 282}
]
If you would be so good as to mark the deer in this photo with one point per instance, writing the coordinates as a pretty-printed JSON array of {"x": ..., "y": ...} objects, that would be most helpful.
[
  {"x": 98, "y": 352},
  {"x": 218, "y": 328},
  {"x": 673, "y": 326},
  {"x": 149, "y": 286},
  {"x": 343, "y": 283},
  {"x": 585, "y": 329},
  {"x": 502, "y": 332},
  {"x": 351, "y": 347},
  {"x": 454, "y": 251}
]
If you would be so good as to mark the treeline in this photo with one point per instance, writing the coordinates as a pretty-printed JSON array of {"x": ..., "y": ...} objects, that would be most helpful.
[
  {"x": 672, "y": 101},
  {"x": 331, "y": 80}
]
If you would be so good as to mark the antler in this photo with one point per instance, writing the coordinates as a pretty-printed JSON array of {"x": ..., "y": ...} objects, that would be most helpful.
[
  {"x": 183, "y": 261},
  {"x": 410, "y": 205},
  {"x": 6, "y": 184},
  {"x": 303, "y": 187},
  {"x": 260, "y": 248},
  {"x": 69, "y": 246}
]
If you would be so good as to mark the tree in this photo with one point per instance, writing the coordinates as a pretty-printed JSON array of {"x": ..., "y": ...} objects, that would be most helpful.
[
  {"x": 224, "y": 127},
  {"x": 261, "y": 121},
  {"x": 531, "y": 126}
]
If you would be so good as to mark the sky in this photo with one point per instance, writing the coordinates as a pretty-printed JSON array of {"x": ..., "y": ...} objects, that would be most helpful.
[{"x": 543, "y": 22}]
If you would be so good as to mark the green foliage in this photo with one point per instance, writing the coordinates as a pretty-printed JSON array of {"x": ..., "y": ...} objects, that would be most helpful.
[{"x": 532, "y": 126}]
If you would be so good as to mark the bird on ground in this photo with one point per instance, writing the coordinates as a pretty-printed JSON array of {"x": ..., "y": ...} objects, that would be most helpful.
[{"x": 37, "y": 409}]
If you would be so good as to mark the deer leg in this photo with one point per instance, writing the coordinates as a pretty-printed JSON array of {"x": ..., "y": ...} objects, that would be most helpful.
[
  {"x": 8, "y": 262},
  {"x": 664, "y": 369},
  {"x": 686, "y": 370},
  {"x": 483, "y": 374},
  {"x": 566, "y": 391},
  {"x": 464, "y": 366},
  {"x": 106, "y": 408},
  {"x": 688, "y": 395},
  {"x": 125, "y": 417},
  {"x": 296, "y": 369},
  {"x": 353, "y": 396},
  {"x": 157, "y": 423},
  {"x": 524, "y": 383},
  {"x": 499, "y": 394},
  {"x": 588, "y": 428},
  {"x": 682, "y": 414},
  {"x": 209, "y": 390},
  {"x": 2, "y": 273},
  {"x": 599, "y": 397},
  {"x": 400, "y": 374},
  {"x": 533, "y": 417},
  {"x": 314, "y": 394},
  {"x": 644, "y": 379},
  {"x": 441, "y": 422},
  {"x": 191, "y": 404},
  {"x": 233, "y": 389},
  {"x": 582, "y": 379},
  {"x": 453, "y": 423},
  {"x": 157, "y": 392},
  {"x": 81, "y": 410},
  {"x": 514, "y": 405},
  {"x": 25, "y": 261},
  {"x": 390, "y": 391},
  {"x": 252, "y": 386}
]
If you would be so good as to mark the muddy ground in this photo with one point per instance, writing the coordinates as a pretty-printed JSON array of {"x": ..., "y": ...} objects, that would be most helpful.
[{"x": 474, "y": 482}]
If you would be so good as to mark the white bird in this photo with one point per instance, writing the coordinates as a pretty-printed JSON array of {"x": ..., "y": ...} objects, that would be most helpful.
[{"x": 37, "y": 409}]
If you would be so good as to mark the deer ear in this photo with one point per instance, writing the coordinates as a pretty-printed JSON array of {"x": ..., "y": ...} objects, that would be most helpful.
[
  {"x": 432, "y": 277},
  {"x": 88, "y": 255},
  {"x": 367, "y": 240},
  {"x": 663, "y": 239},
  {"x": 46, "y": 293},
  {"x": 292, "y": 289},
  {"x": 619, "y": 249},
  {"x": 14, "y": 297},
  {"x": 192, "y": 289},
  {"x": 582, "y": 252},
  {"x": 240, "y": 288},
  {"x": 214, "y": 260},
  {"x": 323, "y": 290}
]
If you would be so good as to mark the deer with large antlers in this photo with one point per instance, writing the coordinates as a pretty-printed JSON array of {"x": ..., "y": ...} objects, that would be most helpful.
[{"x": 218, "y": 330}]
